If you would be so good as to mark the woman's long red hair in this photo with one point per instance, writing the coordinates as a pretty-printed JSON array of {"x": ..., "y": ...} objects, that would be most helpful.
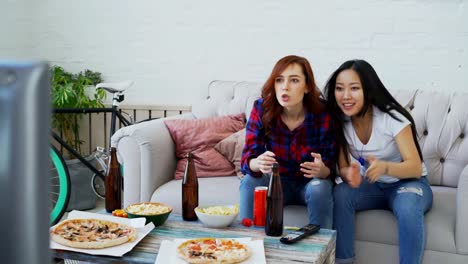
[{"x": 271, "y": 106}]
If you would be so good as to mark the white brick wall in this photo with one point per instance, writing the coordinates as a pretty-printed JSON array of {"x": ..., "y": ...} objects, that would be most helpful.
[
  {"x": 15, "y": 30},
  {"x": 172, "y": 49}
]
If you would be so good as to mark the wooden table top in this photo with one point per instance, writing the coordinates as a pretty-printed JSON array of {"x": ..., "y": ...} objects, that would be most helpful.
[{"x": 318, "y": 248}]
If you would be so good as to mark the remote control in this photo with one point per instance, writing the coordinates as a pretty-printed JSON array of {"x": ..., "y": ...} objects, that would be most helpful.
[{"x": 303, "y": 232}]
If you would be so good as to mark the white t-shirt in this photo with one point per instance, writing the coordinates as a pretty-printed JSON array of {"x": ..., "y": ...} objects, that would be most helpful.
[{"x": 382, "y": 142}]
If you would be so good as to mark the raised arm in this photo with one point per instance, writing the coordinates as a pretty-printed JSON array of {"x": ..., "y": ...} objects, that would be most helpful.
[
  {"x": 410, "y": 167},
  {"x": 350, "y": 173},
  {"x": 252, "y": 162}
]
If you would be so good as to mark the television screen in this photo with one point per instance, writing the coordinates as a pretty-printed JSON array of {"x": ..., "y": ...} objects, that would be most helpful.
[{"x": 24, "y": 150}]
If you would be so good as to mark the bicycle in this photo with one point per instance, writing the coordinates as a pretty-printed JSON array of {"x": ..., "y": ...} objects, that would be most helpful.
[
  {"x": 60, "y": 188},
  {"x": 98, "y": 182}
]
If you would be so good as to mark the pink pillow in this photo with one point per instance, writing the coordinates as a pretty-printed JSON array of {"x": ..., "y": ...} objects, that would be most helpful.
[
  {"x": 231, "y": 148},
  {"x": 199, "y": 137}
]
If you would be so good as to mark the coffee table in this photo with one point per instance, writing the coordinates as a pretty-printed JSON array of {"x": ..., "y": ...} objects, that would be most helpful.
[{"x": 318, "y": 248}]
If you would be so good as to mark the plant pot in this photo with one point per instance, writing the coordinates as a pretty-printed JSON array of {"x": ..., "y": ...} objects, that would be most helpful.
[{"x": 82, "y": 196}]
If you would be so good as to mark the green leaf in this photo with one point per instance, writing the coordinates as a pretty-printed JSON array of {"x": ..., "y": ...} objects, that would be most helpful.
[{"x": 69, "y": 90}]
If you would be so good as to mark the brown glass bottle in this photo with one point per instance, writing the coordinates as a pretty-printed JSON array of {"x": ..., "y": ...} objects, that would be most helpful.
[
  {"x": 189, "y": 190},
  {"x": 274, "y": 213},
  {"x": 113, "y": 183}
]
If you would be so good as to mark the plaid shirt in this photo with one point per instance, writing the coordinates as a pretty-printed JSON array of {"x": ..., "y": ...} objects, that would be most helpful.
[{"x": 291, "y": 148}]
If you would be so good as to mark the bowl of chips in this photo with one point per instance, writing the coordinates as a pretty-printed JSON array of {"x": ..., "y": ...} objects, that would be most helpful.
[
  {"x": 217, "y": 215},
  {"x": 153, "y": 212}
]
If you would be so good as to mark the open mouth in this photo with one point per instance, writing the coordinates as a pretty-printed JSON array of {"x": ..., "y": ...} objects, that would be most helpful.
[
  {"x": 348, "y": 106},
  {"x": 285, "y": 97}
]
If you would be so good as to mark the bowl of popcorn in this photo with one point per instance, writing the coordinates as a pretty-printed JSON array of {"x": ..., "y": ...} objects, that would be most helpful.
[
  {"x": 153, "y": 212},
  {"x": 217, "y": 215}
]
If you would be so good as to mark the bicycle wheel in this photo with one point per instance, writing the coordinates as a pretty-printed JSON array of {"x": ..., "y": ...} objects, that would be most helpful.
[
  {"x": 98, "y": 184},
  {"x": 59, "y": 190}
]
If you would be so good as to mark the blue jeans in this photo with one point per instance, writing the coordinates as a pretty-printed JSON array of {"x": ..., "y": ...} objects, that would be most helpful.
[
  {"x": 408, "y": 199},
  {"x": 316, "y": 194}
]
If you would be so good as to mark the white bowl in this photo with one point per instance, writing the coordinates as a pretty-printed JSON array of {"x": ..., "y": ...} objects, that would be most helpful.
[{"x": 215, "y": 220}]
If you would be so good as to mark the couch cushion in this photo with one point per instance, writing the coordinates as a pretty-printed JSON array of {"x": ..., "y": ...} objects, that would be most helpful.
[
  {"x": 231, "y": 148},
  {"x": 441, "y": 123},
  {"x": 211, "y": 191},
  {"x": 381, "y": 226},
  {"x": 295, "y": 215},
  {"x": 429, "y": 123},
  {"x": 199, "y": 136},
  {"x": 453, "y": 142},
  {"x": 405, "y": 97},
  {"x": 220, "y": 191}
]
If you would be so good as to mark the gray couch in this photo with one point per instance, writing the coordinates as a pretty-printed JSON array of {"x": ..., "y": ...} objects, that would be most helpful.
[{"x": 147, "y": 152}]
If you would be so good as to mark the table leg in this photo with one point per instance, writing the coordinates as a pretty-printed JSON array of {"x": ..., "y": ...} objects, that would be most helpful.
[{"x": 331, "y": 257}]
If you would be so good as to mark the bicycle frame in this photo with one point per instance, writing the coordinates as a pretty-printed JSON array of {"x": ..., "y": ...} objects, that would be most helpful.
[{"x": 115, "y": 114}]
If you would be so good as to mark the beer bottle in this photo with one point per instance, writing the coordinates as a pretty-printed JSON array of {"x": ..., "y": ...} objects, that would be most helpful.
[
  {"x": 189, "y": 190},
  {"x": 274, "y": 213},
  {"x": 113, "y": 183}
]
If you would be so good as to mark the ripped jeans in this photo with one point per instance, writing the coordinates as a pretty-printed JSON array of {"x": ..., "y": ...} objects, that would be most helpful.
[
  {"x": 316, "y": 194},
  {"x": 408, "y": 199}
]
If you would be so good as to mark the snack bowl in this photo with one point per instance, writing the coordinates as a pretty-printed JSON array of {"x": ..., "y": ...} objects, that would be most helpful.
[
  {"x": 217, "y": 216},
  {"x": 153, "y": 212}
]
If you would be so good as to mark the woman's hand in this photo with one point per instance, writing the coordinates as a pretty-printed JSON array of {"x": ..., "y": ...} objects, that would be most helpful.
[
  {"x": 315, "y": 169},
  {"x": 376, "y": 169},
  {"x": 263, "y": 162},
  {"x": 352, "y": 175}
]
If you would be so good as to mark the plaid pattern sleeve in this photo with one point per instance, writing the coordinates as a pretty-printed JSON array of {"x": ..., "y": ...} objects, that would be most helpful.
[
  {"x": 327, "y": 146},
  {"x": 254, "y": 139}
]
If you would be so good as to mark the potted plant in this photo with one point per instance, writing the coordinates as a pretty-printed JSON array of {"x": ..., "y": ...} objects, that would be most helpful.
[
  {"x": 70, "y": 90},
  {"x": 73, "y": 91}
]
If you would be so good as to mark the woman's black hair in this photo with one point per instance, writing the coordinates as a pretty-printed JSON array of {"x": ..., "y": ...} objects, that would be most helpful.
[{"x": 375, "y": 93}]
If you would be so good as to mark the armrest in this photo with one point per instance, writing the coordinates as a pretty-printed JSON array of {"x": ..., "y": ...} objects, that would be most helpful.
[
  {"x": 461, "y": 231},
  {"x": 147, "y": 153}
]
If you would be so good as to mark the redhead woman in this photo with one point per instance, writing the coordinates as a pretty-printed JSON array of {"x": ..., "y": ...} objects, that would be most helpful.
[
  {"x": 289, "y": 125},
  {"x": 380, "y": 160}
]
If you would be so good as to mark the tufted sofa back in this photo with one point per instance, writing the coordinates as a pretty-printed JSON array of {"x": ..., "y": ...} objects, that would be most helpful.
[
  {"x": 231, "y": 97},
  {"x": 226, "y": 98},
  {"x": 441, "y": 122}
]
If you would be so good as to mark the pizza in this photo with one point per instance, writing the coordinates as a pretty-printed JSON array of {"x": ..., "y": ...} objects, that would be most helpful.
[
  {"x": 213, "y": 250},
  {"x": 92, "y": 233}
]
